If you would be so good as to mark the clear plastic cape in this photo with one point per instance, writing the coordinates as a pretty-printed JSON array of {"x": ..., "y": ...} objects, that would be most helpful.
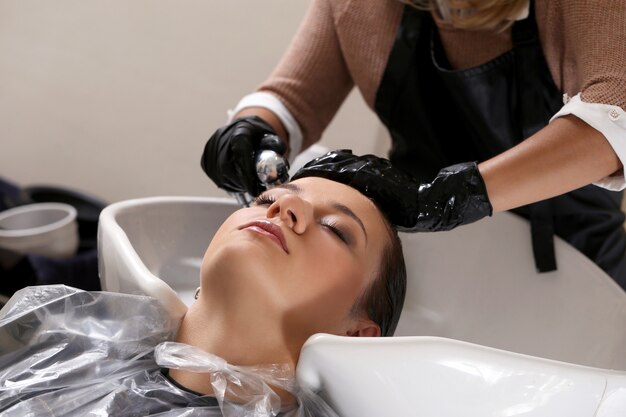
[{"x": 68, "y": 352}]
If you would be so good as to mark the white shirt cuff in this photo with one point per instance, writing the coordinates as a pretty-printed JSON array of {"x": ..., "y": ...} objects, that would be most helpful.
[
  {"x": 273, "y": 104},
  {"x": 608, "y": 120}
]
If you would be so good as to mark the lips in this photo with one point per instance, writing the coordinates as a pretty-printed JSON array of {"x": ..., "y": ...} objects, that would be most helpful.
[{"x": 268, "y": 229}]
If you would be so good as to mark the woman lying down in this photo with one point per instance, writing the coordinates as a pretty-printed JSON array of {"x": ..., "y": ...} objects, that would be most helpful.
[{"x": 312, "y": 256}]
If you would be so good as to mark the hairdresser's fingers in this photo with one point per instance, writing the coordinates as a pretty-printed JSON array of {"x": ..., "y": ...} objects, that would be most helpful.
[{"x": 229, "y": 155}]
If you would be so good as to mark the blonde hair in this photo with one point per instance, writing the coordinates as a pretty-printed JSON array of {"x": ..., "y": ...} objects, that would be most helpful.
[{"x": 473, "y": 14}]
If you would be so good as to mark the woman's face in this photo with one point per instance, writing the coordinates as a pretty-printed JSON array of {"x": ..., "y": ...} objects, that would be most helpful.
[{"x": 303, "y": 254}]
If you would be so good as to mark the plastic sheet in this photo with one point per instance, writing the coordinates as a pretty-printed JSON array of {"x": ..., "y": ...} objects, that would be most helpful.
[{"x": 67, "y": 352}]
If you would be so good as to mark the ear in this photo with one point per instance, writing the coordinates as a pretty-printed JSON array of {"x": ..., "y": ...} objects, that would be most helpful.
[{"x": 364, "y": 327}]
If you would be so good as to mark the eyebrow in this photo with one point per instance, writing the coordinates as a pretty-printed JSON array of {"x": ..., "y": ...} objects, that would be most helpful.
[
  {"x": 291, "y": 187},
  {"x": 346, "y": 210},
  {"x": 334, "y": 204}
]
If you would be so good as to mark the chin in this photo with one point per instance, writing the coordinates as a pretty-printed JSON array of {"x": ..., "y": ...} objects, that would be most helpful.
[{"x": 244, "y": 264}]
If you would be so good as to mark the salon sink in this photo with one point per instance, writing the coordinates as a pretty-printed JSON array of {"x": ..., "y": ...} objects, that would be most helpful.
[
  {"x": 530, "y": 333},
  {"x": 476, "y": 283},
  {"x": 155, "y": 245},
  {"x": 436, "y": 377}
]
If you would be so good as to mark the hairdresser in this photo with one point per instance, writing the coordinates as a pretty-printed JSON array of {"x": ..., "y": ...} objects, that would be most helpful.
[{"x": 492, "y": 105}]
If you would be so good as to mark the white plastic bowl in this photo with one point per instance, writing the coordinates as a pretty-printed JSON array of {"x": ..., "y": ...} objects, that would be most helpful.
[{"x": 48, "y": 229}]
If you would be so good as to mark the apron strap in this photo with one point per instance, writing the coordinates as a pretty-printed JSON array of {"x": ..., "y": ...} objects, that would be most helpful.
[
  {"x": 525, "y": 32},
  {"x": 402, "y": 53},
  {"x": 542, "y": 235}
]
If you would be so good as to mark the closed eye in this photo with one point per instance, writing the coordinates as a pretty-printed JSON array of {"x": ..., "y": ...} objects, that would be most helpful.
[
  {"x": 264, "y": 200},
  {"x": 332, "y": 226}
]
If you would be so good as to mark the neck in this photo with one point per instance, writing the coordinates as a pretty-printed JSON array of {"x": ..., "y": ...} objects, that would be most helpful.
[{"x": 236, "y": 334}]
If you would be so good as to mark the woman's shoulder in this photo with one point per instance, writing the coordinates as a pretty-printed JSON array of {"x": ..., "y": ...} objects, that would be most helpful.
[
  {"x": 366, "y": 30},
  {"x": 366, "y": 9},
  {"x": 375, "y": 11},
  {"x": 367, "y": 20}
]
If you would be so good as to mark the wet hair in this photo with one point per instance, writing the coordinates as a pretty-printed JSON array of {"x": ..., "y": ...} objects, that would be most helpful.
[{"x": 383, "y": 300}]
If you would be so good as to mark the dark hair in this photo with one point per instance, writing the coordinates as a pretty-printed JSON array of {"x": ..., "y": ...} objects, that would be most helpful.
[{"x": 383, "y": 300}]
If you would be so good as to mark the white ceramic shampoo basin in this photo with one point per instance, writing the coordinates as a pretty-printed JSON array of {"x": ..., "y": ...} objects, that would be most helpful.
[
  {"x": 435, "y": 377},
  {"x": 476, "y": 283},
  {"x": 154, "y": 246}
]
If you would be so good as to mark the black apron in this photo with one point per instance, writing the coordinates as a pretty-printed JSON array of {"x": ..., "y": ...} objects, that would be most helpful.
[{"x": 439, "y": 117}]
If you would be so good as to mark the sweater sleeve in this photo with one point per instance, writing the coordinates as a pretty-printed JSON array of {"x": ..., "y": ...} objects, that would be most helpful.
[
  {"x": 595, "y": 32},
  {"x": 312, "y": 79},
  {"x": 594, "y": 37}
]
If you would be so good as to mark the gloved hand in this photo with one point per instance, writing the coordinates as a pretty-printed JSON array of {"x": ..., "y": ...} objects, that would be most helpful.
[
  {"x": 456, "y": 196},
  {"x": 228, "y": 157}
]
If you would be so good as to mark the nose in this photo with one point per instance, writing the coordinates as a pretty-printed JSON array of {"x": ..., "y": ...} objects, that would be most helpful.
[{"x": 293, "y": 211}]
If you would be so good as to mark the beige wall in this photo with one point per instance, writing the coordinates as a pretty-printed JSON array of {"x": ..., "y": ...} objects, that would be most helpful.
[{"x": 117, "y": 97}]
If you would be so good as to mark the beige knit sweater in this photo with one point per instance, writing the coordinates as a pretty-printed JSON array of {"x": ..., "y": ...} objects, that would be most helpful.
[{"x": 343, "y": 43}]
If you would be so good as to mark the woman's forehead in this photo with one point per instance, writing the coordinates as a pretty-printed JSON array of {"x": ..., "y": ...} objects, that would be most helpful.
[{"x": 325, "y": 189}]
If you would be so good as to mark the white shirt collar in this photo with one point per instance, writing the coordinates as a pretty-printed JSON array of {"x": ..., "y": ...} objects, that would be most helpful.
[{"x": 523, "y": 14}]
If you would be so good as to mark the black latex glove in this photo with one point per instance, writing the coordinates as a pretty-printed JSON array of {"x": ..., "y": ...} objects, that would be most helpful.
[
  {"x": 456, "y": 196},
  {"x": 228, "y": 157}
]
